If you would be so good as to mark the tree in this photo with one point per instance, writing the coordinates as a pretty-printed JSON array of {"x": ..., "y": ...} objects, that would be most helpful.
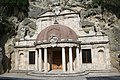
[
  {"x": 112, "y": 6},
  {"x": 9, "y": 8}
]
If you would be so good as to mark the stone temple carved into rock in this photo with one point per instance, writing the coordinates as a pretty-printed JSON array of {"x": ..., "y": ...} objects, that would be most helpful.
[{"x": 62, "y": 40}]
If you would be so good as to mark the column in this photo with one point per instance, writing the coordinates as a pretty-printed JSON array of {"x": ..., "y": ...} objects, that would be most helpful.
[
  {"x": 40, "y": 60},
  {"x": 36, "y": 60},
  {"x": 107, "y": 58},
  {"x": 63, "y": 59},
  {"x": 45, "y": 60},
  {"x": 77, "y": 59},
  {"x": 70, "y": 60}
]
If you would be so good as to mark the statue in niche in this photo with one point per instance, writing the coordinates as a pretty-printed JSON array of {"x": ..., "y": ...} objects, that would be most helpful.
[
  {"x": 22, "y": 32},
  {"x": 27, "y": 33},
  {"x": 53, "y": 39},
  {"x": 97, "y": 26},
  {"x": 27, "y": 29},
  {"x": 57, "y": 11}
]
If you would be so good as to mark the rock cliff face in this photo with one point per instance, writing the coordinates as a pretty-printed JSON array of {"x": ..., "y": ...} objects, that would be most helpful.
[{"x": 105, "y": 22}]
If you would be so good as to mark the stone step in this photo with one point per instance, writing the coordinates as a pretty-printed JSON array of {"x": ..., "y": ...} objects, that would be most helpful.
[
  {"x": 63, "y": 74},
  {"x": 20, "y": 71}
]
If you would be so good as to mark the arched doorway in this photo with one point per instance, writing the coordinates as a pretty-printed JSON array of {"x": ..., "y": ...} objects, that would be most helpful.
[
  {"x": 21, "y": 61},
  {"x": 56, "y": 59}
]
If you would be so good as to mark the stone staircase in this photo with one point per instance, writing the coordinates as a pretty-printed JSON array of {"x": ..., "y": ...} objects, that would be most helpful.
[{"x": 64, "y": 74}]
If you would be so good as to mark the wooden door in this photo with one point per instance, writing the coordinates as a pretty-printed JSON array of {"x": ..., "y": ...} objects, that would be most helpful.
[{"x": 57, "y": 60}]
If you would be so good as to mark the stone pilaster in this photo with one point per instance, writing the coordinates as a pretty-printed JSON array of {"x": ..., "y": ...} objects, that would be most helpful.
[{"x": 16, "y": 59}]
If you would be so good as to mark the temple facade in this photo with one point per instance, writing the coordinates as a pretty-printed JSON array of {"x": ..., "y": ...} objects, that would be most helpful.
[{"x": 62, "y": 41}]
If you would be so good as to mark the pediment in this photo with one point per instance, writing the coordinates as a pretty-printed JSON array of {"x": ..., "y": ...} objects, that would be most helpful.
[{"x": 59, "y": 11}]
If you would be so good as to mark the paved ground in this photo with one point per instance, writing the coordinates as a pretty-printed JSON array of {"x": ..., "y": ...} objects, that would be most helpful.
[{"x": 91, "y": 76}]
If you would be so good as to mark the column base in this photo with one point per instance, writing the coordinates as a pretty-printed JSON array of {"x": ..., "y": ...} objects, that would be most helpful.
[{"x": 45, "y": 71}]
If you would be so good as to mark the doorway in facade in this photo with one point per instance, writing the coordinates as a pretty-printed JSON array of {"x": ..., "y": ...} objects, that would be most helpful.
[{"x": 57, "y": 59}]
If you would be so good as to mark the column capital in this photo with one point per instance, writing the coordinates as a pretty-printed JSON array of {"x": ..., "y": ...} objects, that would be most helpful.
[
  {"x": 70, "y": 46},
  {"x": 45, "y": 47},
  {"x": 63, "y": 46},
  {"x": 77, "y": 48}
]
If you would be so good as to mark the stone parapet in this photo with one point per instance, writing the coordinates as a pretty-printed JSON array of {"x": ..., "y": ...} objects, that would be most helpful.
[
  {"x": 93, "y": 39},
  {"x": 24, "y": 43}
]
